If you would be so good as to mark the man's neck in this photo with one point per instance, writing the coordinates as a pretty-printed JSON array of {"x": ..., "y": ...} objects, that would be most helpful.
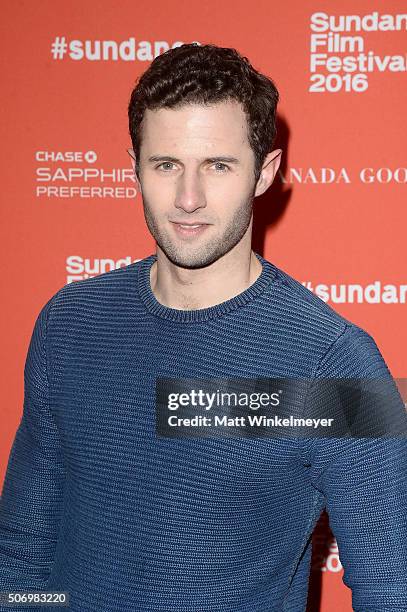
[{"x": 186, "y": 289}]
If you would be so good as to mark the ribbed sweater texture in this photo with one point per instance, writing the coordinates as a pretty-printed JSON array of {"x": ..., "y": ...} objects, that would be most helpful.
[{"x": 96, "y": 504}]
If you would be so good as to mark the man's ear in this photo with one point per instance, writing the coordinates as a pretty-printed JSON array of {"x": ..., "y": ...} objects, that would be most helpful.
[
  {"x": 268, "y": 171},
  {"x": 133, "y": 163}
]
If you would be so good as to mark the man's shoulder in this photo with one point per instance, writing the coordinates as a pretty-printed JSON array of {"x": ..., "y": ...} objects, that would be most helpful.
[
  {"x": 304, "y": 314},
  {"x": 112, "y": 278},
  {"x": 301, "y": 301},
  {"x": 97, "y": 295},
  {"x": 312, "y": 329}
]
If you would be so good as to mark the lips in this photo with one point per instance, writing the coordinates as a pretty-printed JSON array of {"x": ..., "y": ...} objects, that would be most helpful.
[
  {"x": 189, "y": 223},
  {"x": 189, "y": 229}
]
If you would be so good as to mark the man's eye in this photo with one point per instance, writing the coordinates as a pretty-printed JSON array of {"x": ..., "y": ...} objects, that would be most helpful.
[
  {"x": 220, "y": 167},
  {"x": 224, "y": 168},
  {"x": 165, "y": 164}
]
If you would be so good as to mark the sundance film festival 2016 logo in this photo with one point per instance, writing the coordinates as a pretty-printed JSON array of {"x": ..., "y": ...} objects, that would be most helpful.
[{"x": 340, "y": 59}]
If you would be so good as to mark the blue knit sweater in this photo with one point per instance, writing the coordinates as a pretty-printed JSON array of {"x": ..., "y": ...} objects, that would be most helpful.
[{"x": 96, "y": 504}]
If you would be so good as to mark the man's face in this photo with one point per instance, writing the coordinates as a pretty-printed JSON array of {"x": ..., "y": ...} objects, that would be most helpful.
[{"x": 185, "y": 185}]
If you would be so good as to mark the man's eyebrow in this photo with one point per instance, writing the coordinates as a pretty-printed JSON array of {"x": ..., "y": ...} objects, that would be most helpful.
[{"x": 219, "y": 158}]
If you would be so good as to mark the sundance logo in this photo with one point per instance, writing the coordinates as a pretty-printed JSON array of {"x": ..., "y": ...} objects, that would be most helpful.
[
  {"x": 79, "y": 268},
  {"x": 128, "y": 50},
  {"x": 373, "y": 293}
]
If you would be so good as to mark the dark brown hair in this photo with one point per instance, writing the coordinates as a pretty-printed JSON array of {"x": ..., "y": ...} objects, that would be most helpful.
[{"x": 206, "y": 74}]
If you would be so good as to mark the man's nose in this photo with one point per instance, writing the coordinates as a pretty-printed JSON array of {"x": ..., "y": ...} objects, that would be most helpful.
[{"x": 190, "y": 193}]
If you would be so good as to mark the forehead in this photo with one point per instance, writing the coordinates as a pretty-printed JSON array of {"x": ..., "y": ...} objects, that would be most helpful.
[{"x": 196, "y": 126}]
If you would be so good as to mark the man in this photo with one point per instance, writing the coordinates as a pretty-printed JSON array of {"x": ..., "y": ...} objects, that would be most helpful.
[{"x": 96, "y": 503}]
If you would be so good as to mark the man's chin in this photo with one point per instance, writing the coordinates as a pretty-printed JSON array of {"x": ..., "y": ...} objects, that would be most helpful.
[{"x": 191, "y": 259}]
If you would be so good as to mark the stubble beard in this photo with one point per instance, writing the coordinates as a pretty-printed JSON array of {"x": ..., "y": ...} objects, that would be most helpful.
[{"x": 205, "y": 253}]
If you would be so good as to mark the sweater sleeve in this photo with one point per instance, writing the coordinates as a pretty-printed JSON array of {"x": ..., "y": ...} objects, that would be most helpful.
[
  {"x": 31, "y": 500},
  {"x": 364, "y": 482}
]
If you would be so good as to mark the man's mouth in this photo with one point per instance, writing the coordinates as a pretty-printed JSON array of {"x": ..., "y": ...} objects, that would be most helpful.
[
  {"x": 189, "y": 229},
  {"x": 190, "y": 225}
]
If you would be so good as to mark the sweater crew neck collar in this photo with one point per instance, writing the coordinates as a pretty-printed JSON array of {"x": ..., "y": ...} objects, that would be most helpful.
[{"x": 146, "y": 294}]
